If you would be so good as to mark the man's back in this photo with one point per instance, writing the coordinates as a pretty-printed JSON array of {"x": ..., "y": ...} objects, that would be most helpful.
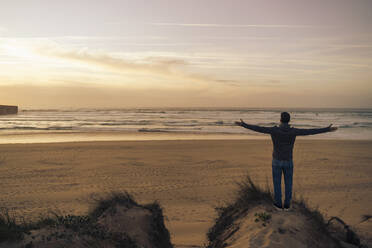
[{"x": 284, "y": 137}]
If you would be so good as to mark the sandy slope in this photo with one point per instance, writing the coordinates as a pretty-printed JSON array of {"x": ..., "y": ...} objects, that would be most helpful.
[
  {"x": 282, "y": 229},
  {"x": 189, "y": 178}
]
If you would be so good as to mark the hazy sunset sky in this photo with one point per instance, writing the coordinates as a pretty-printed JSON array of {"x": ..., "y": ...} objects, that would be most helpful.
[{"x": 186, "y": 53}]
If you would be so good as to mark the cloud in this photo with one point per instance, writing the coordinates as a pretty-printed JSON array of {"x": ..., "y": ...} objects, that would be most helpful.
[
  {"x": 214, "y": 25},
  {"x": 101, "y": 59},
  {"x": 3, "y": 30},
  {"x": 170, "y": 68}
]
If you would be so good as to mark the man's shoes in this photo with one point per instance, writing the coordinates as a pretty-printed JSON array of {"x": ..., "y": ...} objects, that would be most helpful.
[
  {"x": 287, "y": 207},
  {"x": 277, "y": 207}
]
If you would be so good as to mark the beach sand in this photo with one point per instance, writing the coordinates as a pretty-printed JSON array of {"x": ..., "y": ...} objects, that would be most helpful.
[{"x": 188, "y": 177}]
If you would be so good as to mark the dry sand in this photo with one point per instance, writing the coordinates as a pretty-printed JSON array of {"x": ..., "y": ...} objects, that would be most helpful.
[{"x": 189, "y": 178}]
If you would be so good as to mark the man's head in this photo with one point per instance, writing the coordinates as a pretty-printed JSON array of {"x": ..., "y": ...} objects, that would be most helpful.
[{"x": 285, "y": 117}]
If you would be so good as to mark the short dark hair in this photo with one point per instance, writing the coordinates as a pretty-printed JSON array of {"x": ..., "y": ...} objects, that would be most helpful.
[{"x": 285, "y": 117}]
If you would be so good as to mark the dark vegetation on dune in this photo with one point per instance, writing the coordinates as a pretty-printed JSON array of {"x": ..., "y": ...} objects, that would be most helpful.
[
  {"x": 250, "y": 195},
  {"x": 86, "y": 229}
]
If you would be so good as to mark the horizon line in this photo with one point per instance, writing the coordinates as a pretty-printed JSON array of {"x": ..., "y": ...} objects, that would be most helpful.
[
  {"x": 251, "y": 108},
  {"x": 216, "y": 25}
]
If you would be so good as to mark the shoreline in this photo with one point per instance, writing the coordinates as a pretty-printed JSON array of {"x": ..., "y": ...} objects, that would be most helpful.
[{"x": 76, "y": 137}]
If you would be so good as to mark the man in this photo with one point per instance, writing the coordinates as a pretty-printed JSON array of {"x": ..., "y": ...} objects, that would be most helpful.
[{"x": 283, "y": 138}]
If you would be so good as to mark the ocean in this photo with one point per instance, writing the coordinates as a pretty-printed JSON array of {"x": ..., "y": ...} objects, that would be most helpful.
[{"x": 352, "y": 123}]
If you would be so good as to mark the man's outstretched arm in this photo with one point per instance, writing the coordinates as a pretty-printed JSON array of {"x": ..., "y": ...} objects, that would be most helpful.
[
  {"x": 312, "y": 131},
  {"x": 253, "y": 127}
]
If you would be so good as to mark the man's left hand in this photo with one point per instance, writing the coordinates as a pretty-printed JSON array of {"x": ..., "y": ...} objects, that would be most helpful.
[{"x": 332, "y": 129}]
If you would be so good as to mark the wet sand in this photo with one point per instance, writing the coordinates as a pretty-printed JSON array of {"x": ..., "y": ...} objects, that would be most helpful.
[{"x": 188, "y": 177}]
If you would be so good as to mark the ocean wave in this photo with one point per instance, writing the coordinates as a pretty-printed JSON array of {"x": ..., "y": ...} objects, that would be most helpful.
[
  {"x": 127, "y": 123},
  {"x": 153, "y": 130},
  {"x": 180, "y": 125},
  {"x": 146, "y": 111},
  {"x": 307, "y": 126},
  {"x": 41, "y": 110},
  {"x": 346, "y": 126},
  {"x": 37, "y": 118},
  {"x": 363, "y": 124},
  {"x": 35, "y": 128},
  {"x": 268, "y": 124},
  {"x": 357, "y": 125},
  {"x": 164, "y": 130},
  {"x": 200, "y": 120}
]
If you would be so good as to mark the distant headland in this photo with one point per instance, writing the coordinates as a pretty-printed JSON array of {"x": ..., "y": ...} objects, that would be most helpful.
[{"x": 8, "y": 110}]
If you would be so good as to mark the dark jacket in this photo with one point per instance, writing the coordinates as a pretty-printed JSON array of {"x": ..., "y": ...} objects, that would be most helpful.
[{"x": 284, "y": 137}]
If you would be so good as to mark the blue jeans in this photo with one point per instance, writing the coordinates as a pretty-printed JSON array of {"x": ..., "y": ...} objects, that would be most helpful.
[{"x": 285, "y": 167}]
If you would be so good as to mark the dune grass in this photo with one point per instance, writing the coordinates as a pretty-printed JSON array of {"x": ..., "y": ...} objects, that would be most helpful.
[
  {"x": 247, "y": 195},
  {"x": 9, "y": 229},
  {"x": 12, "y": 230}
]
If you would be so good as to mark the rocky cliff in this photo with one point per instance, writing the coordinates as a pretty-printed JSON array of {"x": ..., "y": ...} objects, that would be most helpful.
[{"x": 8, "y": 110}]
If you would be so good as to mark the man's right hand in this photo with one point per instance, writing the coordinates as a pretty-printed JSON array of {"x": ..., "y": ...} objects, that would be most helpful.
[
  {"x": 239, "y": 123},
  {"x": 332, "y": 129}
]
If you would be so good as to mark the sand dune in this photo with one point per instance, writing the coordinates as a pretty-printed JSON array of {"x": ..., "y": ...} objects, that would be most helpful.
[
  {"x": 252, "y": 221},
  {"x": 189, "y": 178},
  {"x": 115, "y": 221}
]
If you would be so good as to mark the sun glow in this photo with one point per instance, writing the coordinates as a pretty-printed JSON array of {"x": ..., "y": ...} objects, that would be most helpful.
[{"x": 19, "y": 51}]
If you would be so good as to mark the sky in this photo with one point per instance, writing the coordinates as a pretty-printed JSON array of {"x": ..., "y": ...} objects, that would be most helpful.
[{"x": 186, "y": 53}]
